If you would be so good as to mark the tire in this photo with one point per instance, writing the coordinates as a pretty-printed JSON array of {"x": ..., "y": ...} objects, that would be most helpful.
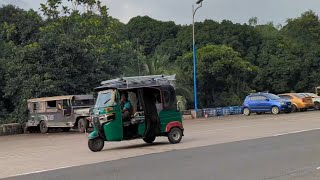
[
  {"x": 96, "y": 144},
  {"x": 66, "y": 129},
  {"x": 82, "y": 125},
  {"x": 316, "y": 106},
  {"x": 246, "y": 112},
  {"x": 43, "y": 127},
  {"x": 275, "y": 110},
  {"x": 149, "y": 140},
  {"x": 294, "y": 108},
  {"x": 175, "y": 135}
]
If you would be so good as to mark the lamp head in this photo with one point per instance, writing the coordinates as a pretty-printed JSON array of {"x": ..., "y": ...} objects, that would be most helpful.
[{"x": 199, "y": 1}]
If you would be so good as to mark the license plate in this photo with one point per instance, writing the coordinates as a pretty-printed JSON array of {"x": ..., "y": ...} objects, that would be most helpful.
[{"x": 289, "y": 106}]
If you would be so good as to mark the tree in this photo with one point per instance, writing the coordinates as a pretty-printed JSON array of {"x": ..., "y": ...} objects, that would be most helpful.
[
  {"x": 253, "y": 21},
  {"x": 221, "y": 73},
  {"x": 150, "y": 32},
  {"x": 18, "y": 25},
  {"x": 72, "y": 55},
  {"x": 157, "y": 64},
  {"x": 3, "y": 108}
]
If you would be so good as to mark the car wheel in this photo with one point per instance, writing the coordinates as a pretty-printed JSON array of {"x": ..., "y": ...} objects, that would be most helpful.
[
  {"x": 175, "y": 135},
  {"x": 316, "y": 106},
  {"x": 304, "y": 110},
  {"x": 275, "y": 110},
  {"x": 246, "y": 111},
  {"x": 149, "y": 140},
  {"x": 43, "y": 127},
  {"x": 82, "y": 125},
  {"x": 294, "y": 108},
  {"x": 96, "y": 144}
]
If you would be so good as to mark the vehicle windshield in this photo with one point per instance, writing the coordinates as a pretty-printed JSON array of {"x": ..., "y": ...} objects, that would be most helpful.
[
  {"x": 273, "y": 97},
  {"x": 312, "y": 94},
  {"x": 301, "y": 95},
  {"x": 105, "y": 99},
  {"x": 83, "y": 102}
]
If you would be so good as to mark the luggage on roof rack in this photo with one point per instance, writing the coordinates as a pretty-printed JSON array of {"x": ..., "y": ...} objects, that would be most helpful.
[{"x": 139, "y": 81}]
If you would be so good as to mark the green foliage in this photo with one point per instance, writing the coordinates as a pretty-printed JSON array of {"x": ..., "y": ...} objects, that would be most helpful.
[
  {"x": 72, "y": 49},
  {"x": 71, "y": 55},
  {"x": 18, "y": 25},
  {"x": 157, "y": 64},
  {"x": 149, "y": 32},
  {"x": 220, "y": 70}
]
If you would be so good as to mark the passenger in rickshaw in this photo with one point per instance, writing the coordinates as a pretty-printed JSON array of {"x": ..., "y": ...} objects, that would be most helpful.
[{"x": 126, "y": 107}]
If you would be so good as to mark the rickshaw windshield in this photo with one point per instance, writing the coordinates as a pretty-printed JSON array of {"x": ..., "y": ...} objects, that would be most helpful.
[{"x": 105, "y": 99}]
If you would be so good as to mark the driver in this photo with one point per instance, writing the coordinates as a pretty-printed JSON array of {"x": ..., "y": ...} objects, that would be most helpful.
[{"x": 126, "y": 107}]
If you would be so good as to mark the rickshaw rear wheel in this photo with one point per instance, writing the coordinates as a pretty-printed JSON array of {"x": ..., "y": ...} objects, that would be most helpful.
[
  {"x": 149, "y": 140},
  {"x": 96, "y": 144},
  {"x": 175, "y": 135}
]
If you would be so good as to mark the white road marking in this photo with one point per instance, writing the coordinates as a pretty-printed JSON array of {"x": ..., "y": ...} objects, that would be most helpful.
[
  {"x": 295, "y": 132},
  {"x": 318, "y": 168},
  {"x": 40, "y": 171}
]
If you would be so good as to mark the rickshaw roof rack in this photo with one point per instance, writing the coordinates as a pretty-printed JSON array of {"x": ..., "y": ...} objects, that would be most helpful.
[
  {"x": 139, "y": 81},
  {"x": 56, "y": 98}
]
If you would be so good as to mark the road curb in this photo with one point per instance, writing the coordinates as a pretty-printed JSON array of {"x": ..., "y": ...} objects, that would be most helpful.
[{"x": 11, "y": 129}]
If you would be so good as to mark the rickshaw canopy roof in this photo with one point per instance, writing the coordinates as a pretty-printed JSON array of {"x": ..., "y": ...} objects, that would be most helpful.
[{"x": 137, "y": 82}]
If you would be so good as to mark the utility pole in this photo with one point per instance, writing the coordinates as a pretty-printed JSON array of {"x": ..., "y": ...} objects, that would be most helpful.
[
  {"x": 195, "y": 56},
  {"x": 138, "y": 55}
]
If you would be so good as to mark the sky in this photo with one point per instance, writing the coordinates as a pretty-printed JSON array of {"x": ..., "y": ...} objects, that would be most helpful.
[{"x": 180, "y": 11}]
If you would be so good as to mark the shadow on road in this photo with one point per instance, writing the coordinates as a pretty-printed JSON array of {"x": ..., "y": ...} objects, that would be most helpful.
[{"x": 136, "y": 146}]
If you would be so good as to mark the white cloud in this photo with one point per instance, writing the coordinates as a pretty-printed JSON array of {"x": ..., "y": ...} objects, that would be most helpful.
[{"x": 19, "y": 3}]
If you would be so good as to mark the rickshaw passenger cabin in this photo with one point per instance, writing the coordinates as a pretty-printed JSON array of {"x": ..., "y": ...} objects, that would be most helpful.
[{"x": 154, "y": 110}]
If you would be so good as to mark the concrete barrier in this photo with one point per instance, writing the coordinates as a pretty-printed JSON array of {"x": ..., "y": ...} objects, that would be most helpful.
[
  {"x": 196, "y": 114},
  {"x": 10, "y": 129}
]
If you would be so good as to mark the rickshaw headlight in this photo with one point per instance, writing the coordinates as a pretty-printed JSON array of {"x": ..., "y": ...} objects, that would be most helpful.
[
  {"x": 108, "y": 109},
  {"x": 106, "y": 118}
]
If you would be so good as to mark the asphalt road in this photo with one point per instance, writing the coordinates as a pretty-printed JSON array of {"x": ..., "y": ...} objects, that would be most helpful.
[
  {"x": 32, "y": 153},
  {"x": 294, "y": 156}
]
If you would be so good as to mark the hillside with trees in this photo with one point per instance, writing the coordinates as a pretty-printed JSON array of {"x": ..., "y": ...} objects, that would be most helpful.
[{"x": 61, "y": 50}]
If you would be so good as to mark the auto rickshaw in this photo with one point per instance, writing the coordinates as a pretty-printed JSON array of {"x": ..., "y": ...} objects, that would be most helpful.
[{"x": 154, "y": 112}]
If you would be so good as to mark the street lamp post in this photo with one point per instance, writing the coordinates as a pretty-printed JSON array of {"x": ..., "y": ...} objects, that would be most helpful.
[
  {"x": 138, "y": 55},
  {"x": 195, "y": 57}
]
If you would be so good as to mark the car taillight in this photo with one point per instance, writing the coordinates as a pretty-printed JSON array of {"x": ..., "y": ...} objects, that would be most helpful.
[{"x": 303, "y": 100}]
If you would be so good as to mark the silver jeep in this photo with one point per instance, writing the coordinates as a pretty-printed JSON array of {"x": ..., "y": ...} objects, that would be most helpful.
[{"x": 63, "y": 112}]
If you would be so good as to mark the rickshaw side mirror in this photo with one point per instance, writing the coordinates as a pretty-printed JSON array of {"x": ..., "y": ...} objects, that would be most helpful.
[
  {"x": 116, "y": 98},
  {"x": 178, "y": 108}
]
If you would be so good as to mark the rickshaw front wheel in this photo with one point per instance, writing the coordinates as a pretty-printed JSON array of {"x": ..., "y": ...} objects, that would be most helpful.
[
  {"x": 96, "y": 144},
  {"x": 149, "y": 140},
  {"x": 175, "y": 135}
]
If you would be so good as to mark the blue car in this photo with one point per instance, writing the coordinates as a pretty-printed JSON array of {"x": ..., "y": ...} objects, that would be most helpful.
[{"x": 265, "y": 102}]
